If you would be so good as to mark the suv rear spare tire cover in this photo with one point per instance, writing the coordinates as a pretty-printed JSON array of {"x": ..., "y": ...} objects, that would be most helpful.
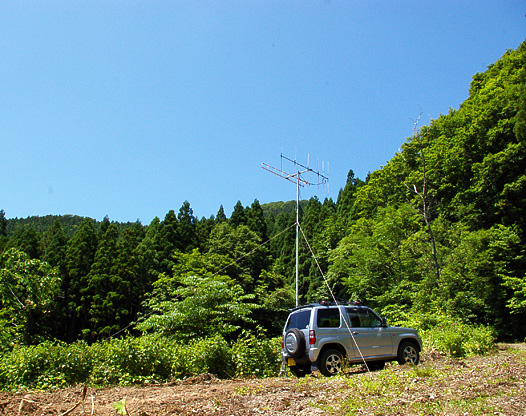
[{"x": 295, "y": 342}]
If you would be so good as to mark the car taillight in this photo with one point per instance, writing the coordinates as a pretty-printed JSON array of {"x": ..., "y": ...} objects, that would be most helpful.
[{"x": 312, "y": 337}]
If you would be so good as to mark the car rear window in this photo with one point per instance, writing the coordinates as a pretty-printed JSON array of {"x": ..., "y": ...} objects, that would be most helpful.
[
  {"x": 328, "y": 318},
  {"x": 299, "y": 320}
]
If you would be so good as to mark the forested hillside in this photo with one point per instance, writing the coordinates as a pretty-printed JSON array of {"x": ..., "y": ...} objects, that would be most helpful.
[{"x": 435, "y": 236}]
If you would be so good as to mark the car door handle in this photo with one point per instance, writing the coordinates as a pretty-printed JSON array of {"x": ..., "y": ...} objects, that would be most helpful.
[{"x": 354, "y": 332}]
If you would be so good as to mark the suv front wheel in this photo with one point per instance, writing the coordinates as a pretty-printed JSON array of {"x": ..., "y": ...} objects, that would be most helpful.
[
  {"x": 331, "y": 362},
  {"x": 408, "y": 353}
]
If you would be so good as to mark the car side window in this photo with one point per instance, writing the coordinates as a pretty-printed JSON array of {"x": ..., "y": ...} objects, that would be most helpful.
[
  {"x": 299, "y": 320},
  {"x": 370, "y": 320},
  {"x": 354, "y": 317},
  {"x": 363, "y": 318},
  {"x": 328, "y": 318}
]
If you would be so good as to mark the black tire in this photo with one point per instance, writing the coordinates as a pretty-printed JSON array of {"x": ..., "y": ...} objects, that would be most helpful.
[
  {"x": 408, "y": 353},
  {"x": 376, "y": 365},
  {"x": 330, "y": 362},
  {"x": 300, "y": 370},
  {"x": 294, "y": 343}
]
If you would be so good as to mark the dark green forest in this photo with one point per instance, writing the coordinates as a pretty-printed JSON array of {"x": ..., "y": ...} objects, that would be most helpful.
[{"x": 437, "y": 234}]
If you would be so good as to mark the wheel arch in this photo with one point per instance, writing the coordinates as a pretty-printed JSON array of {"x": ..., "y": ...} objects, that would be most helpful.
[
  {"x": 411, "y": 341},
  {"x": 333, "y": 345}
]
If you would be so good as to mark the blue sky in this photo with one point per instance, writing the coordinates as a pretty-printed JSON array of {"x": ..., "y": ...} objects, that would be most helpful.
[{"x": 127, "y": 108}]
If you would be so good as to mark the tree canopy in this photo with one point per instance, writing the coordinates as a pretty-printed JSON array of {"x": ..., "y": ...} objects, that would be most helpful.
[{"x": 438, "y": 231}]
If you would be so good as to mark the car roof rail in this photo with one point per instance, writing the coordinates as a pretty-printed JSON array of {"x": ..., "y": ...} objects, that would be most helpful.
[
  {"x": 342, "y": 302},
  {"x": 309, "y": 305},
  {"x": 329, "y": 303}
]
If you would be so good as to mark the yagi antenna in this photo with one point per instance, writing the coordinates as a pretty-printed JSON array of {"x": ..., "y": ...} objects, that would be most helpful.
[
  {"x": 299, "y": 170},
  {"x": 297, "y": 178}
]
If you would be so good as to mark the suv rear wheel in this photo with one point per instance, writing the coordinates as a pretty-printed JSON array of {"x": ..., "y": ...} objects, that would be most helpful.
[{"x": 331, "y": 362}]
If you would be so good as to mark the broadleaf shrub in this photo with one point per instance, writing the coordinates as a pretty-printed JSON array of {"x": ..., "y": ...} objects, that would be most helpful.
[
  {"x": 207, "y": 355},
  {"x": 46, "y": 365},
  {"x": 459, "y": 339},
  {"x": 255, "y": 356},
  {"x": 132, "y": 360},
  {"x": 126, "y": 361},
  {"x": 451, "y": 336}
]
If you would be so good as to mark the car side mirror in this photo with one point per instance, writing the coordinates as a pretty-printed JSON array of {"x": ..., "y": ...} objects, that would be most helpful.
[{"x": 384, "y": 322}]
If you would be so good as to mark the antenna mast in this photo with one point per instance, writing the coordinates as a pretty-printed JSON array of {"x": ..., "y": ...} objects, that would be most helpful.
[{"x": 299, "y": 180}]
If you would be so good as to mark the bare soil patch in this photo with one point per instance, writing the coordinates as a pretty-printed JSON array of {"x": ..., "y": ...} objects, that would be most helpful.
[{"x": 493, "y": 384}]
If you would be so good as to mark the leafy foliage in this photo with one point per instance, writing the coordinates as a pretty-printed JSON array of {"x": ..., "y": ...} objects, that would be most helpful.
[
  {"x": 256, "y": 355},
  {"x": 454, "y": 337},
  {"x": 28, "y": 288},
  {"x": 151, "y": 358},
  {"x": 189, "y": 306},
  {"x": 120, "y": 407}
]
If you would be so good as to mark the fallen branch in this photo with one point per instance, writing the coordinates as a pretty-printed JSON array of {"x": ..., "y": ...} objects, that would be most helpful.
[
  {"x": 22, "y": 408},
  {"x": 67, "y": 412}
]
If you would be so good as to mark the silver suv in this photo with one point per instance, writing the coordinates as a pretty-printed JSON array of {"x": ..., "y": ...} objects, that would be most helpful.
[{"x": 320, "y": 336}]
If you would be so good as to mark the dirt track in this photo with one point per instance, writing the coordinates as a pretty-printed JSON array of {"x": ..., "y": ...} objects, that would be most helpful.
[{"x": 495, "y": 384}]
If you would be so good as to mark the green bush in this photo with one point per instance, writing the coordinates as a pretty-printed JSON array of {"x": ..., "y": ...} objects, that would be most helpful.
[
  {"x": 460, "y": 339},
  {"x": 454, "y": 337},
  {"x": 50, "y": 364},
  {"x": 151, "y": 358},
  {"x": 256, "y": 356},
  {"x": 207, "y": 355},
  {"x": 132, "y": 360},
  {"x": 8, "y": 337},
  {"x": 450, "y": 335}
]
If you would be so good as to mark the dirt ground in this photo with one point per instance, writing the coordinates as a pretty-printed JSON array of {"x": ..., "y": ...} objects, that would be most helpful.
[{"x": 493, "y": 384}]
